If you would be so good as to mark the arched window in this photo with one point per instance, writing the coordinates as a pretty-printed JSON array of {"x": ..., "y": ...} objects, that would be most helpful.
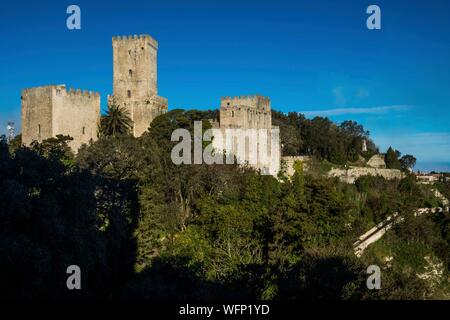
[
  {"x": 130, "y": 72},
  {"x": 232, "y": 114},
  {"x": 129, "y": 93},
  {"x": 84, "y": 130}
]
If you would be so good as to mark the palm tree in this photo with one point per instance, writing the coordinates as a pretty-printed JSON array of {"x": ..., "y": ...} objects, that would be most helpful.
[{"x": 115, "y": 122}]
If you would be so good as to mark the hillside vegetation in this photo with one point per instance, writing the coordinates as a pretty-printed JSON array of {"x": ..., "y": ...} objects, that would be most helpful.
[{"x": 140, "y": 227}]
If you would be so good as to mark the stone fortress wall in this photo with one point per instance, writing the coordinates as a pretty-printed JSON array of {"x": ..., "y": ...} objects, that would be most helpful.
[
  {"x": 353, "y": 173},
  {"x": 376, "y": 167},
  {"x": 51, "y": 110}
]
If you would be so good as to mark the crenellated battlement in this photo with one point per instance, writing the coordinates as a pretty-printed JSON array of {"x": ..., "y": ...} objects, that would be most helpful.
[
  {"x": 246, "y": 101},
  {"x": 61, "y": 90},
  {"x": 126, "y": 40},
  {"x": 30, "y": 90},
  {"x": 80, "y": 93},
  {"x": 254, "y": 96}
]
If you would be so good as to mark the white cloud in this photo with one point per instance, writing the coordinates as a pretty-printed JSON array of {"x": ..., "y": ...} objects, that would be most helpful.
[
  {"x": 344, "y": 111},
  {"x": 339, "y": 97},
  {"x": 362, "y": 93}
]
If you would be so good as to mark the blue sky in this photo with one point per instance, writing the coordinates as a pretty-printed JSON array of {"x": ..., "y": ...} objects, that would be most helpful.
[{"x": 316, "y": 57}]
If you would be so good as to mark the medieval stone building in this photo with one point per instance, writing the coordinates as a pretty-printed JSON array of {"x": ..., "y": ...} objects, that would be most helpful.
[
  {"x": 247, "y": 133},
  {"x": 135, "y": 80},
  {"x": 51, "y": 110}
]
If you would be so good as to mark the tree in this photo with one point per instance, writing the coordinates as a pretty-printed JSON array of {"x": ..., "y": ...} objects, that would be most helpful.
[
  {"x": 15, "y": 143},
  {"x": 116, "y": 122},
  {"x": 408, "y": 162},
  {"x": 391, "y": 159},
  {"x": 48, "y": 221},
  {"x": 354, "y": 129},
  {"x": 56, "y": 149}
]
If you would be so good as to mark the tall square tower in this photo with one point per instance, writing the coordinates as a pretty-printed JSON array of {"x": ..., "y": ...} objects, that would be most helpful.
[{"x": 135, "y": 80}]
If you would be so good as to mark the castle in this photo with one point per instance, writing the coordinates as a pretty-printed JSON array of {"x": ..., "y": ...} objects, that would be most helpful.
[{"x": 51, "y": 110}]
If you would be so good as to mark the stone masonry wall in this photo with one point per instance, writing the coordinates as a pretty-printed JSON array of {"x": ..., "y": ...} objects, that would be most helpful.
[
  {"x": 36, "y": 108},
  {"x": 353, "y": 173},
  {"x": 77, "y": 114},
  {"x": 348, "y": 176}
]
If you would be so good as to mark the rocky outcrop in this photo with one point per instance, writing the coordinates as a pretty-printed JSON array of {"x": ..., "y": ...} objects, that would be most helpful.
[{"x": 377, "y": 161}]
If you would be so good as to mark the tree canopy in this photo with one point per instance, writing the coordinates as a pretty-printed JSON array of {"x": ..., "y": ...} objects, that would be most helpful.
[{"x": 141, "y": 227}]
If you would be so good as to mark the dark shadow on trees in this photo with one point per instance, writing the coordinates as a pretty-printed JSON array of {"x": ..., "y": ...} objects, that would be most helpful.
[{"x": 49, "y": 221}]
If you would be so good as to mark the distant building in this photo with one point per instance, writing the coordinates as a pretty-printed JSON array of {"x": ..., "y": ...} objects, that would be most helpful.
[
  {"x": 364, "y": 146},
  {"x": 429, "y": 178},
  {"x": 10, "y": 131}
]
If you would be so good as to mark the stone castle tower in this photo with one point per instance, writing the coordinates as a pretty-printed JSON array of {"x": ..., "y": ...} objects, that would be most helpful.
[
  {"x": 51, "y": 110},
  {"x": 135, "y": 80},
  {"x": 249, "y": 112}
]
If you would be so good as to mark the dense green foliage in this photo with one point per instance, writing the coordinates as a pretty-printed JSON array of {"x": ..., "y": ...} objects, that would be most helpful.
[
  {"x": 322, "y": 138},
  {"x": 141, "y": 227}
]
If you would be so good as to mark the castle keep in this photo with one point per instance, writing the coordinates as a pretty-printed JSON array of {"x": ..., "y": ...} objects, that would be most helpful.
[
  {"x": 51, "y": 110},
  {"x": 135, "y": 80},
  {"x": 245, "y": 113}
]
